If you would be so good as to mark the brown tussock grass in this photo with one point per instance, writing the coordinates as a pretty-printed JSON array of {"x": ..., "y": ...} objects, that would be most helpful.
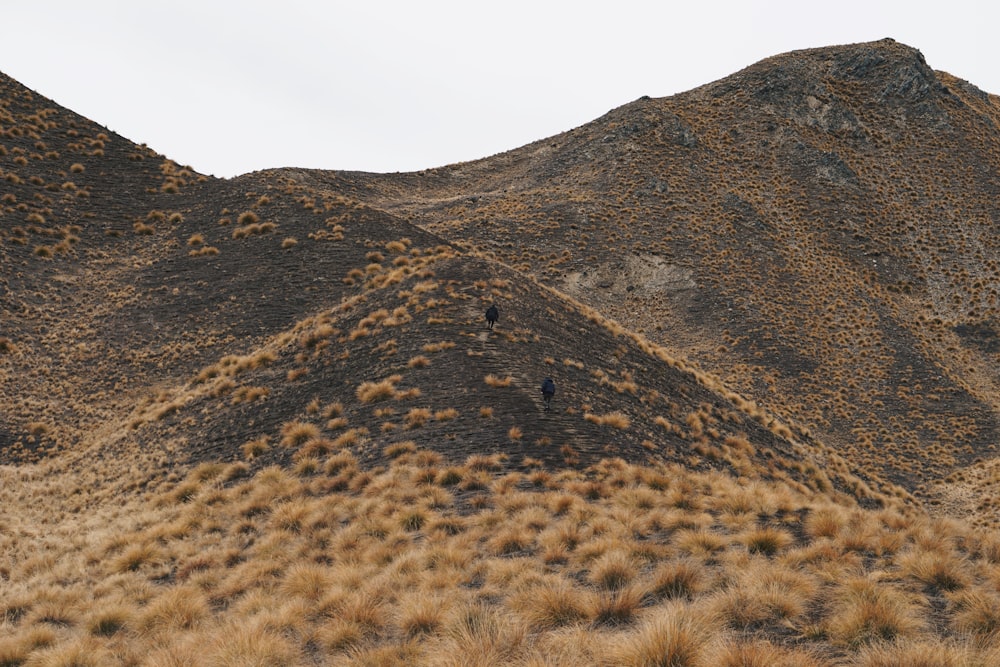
[
  {"x": 370, "y": 392},
  {"x": 674, "y": 635},
  {"x": 296, "y": 433},
  {"x": 867, "y": 612},
  {"x": 555, "y": 603},
  {"x": 495, "y": 381},
  {"x": 614, "y": 419},
  {"x": 941, "y": 569},
  {"x": 179, "y": 608},
  {"x": 419, "y": 559},
  {"x": 762, "y": 653}
]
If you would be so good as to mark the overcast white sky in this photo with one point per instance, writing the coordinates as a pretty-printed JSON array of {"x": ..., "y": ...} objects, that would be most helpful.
[{"x": 397, "y": 85}]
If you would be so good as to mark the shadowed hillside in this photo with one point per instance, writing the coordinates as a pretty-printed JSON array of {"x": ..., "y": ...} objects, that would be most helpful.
[{"x": 262, "y": 421}]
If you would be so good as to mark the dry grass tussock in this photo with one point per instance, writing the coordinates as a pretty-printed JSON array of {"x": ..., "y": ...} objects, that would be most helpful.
[{"x": 431, "y": 563}]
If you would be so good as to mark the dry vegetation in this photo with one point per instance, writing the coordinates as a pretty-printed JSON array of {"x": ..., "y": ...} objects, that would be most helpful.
[
  {"x": 425, "y": 562},
  {"x": 261, "y": 421}
]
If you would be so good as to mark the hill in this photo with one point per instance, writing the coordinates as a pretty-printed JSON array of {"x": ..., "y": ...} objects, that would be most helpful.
[
  {"x": 261, "y": 420},
  {"x": 816, "y": 229}
]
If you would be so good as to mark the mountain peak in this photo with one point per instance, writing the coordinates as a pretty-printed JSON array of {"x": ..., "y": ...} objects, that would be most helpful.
[{"x": 882, "y": 72}]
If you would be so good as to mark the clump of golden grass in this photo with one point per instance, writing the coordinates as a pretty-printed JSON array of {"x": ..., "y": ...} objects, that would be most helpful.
[
  {"x": 370, "y": 392},
  {"x": 614, "y": 419},
  {"x": 204, "y": 251},
  {"x": 674, "y": 635},
  {"x": 867, "y": 612},
  {"x": 296, "y": 433},
  {"x": 495, "y": 381},
  {"x": 417, "y": 417},
  {"x": 942, "y": 569},
  {"x": 766, "y": 540},
  {"x": 484, "y": 561},
  {"x": 256, "y": 447},
  {"x": 419, "y": 361},
  {"x": 555, "y": 603}
]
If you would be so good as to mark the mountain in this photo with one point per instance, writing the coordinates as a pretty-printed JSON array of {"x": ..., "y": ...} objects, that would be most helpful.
[
  {"x": 816, "y": 229},
  {"x": 265, "y": 416}
]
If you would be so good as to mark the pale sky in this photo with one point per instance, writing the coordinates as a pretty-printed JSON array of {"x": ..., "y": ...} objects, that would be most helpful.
[{"x": 396, "y": 85}]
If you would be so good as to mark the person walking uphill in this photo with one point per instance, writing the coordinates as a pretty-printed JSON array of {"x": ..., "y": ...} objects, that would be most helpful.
[
  {"x": 548, "y": 391},
  {"x": 492, "y": 315}
]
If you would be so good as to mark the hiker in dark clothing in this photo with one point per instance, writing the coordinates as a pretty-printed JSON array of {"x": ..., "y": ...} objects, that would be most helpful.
[
  {"x": 548, "y": 391},
  {"x": 492, "y": 315}
]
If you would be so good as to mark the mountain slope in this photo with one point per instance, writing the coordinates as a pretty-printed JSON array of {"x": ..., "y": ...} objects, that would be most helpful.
[
  {"x": 262, "y": 420},
  {"x": 818, "y": 229}
]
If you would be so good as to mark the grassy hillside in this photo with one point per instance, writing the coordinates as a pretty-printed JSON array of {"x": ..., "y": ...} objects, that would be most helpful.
[
  {"x": 261, "y": 421},
  {"x": 818, "y": 229}
]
